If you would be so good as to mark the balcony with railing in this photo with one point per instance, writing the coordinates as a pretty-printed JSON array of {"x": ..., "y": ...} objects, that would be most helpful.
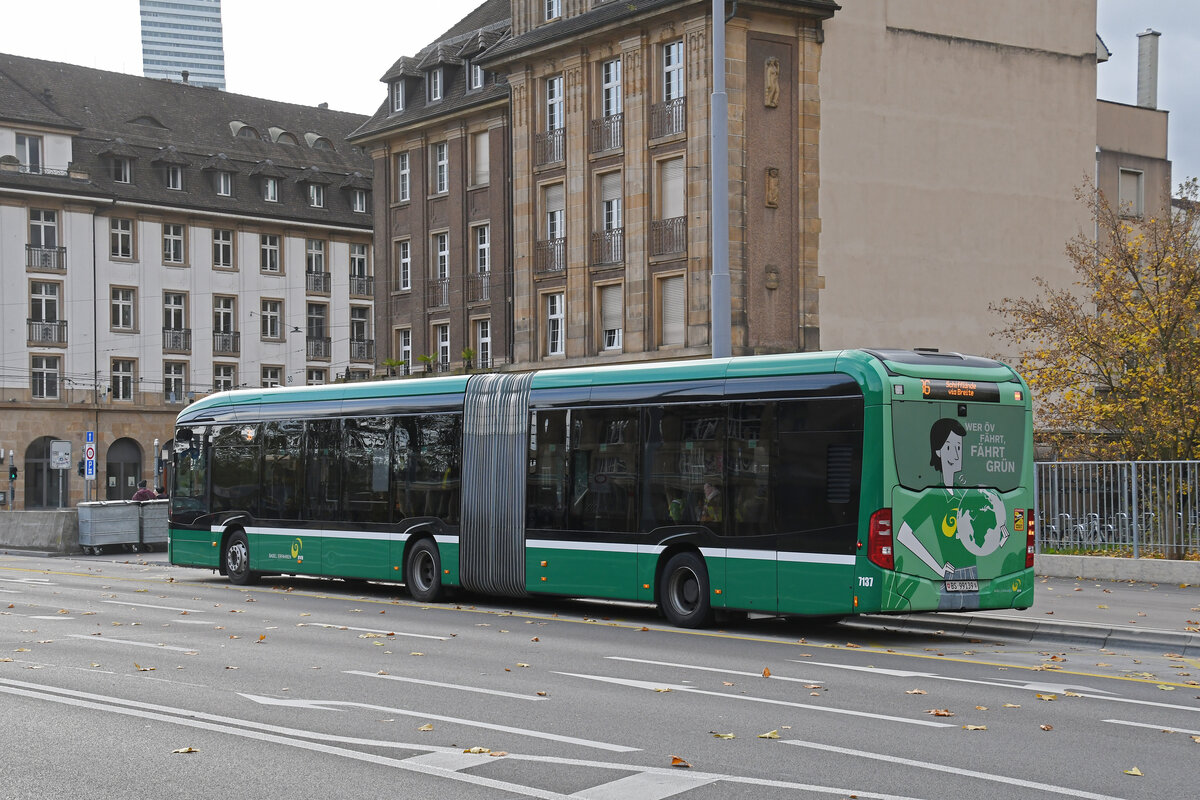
[
  {"x": 608, "y": 247},
  {"x": 362, "y": 349},
  {"x": 317, "y": 282},
  {"x": 46, "y": 259},
  {"x": 549, "y": 147},
  {"x": 362, "y": 285},
  {"x": 479, "y": 287},
  {"x": 550, "y": 256},
  {"x": 668, "y": 118},
  {"x": 227, "y": 343},
  {"x": 177, "y": 340},
  {"x": 318, "y": 348},
  {"x": 668, "y": 236},
  {"x": 606, "y": 133},
  {"x": 439, "y": 293},
  {"x": 47, "y": 332}
]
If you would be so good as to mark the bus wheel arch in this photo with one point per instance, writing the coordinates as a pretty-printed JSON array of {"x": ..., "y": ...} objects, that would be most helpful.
[
  {"x": 683, "y": 589},
  {"x": 423, "y": 569},
  {"x": 235, "y": 558}
]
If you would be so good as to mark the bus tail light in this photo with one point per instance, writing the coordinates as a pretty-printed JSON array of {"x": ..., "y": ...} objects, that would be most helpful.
[
  {"x": 879, "y": 540},
  {"x": 1030, "y": 539}
]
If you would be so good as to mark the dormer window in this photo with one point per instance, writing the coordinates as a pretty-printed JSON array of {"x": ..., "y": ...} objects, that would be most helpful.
[
  {"x": 225, "y": 184},
  {"x": 174, "y": 177},
  {"x": 120, "y": 170},
  {"x": 553, "y": 9},
  {"x": 271, "y": 190},
  {"x": 358, "y": 201},
  {"x": 476, "y": 74},
  {"x": 316, "y": 195},
  {"x": 433, "y": 80},
  {"x": 397, "y": 96}
]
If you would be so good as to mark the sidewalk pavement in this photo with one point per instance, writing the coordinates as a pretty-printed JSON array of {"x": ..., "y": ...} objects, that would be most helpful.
[{"x": 1100, "y": 613}]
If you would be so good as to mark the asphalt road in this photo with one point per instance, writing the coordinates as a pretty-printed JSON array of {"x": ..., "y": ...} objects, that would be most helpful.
[{"x": 307, "y": 688}]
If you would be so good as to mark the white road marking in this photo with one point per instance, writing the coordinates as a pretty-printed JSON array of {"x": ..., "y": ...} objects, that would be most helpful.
[
  {"x": 151, "y": 645},
  {"x": 959, "y": 771},
  {"x": 47, "y": 616},
  {"x": 471, "y": 723},
  {"x": 452, "y": 762},
  {"x": 747, "y": 699},
  {"x": 370, "y": 630},
  {"x": 1033, "y": 686},
  {"x": 34, "y": 581},
  {"x": 9, "y": 591},
  {"x": 709, "y": 669},
  {"x": 251, "y": 729},
  {"x": 455, "y": 686},
  {"x": 645, "y": 786},
  {"x": 1153, "y": 727},
  {"x": 147, "y": 605}
]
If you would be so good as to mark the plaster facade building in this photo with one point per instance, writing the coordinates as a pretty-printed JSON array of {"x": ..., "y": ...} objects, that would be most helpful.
[{"x": 160, "y": 241}]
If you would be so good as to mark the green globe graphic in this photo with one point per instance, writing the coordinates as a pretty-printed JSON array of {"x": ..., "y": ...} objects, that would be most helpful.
[{"x": 978, "y": 523}]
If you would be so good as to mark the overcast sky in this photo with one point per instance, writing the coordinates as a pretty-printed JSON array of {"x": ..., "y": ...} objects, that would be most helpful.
[{"x": 309, "y": 52}]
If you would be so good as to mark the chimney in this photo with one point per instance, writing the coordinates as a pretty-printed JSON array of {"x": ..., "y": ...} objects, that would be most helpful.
[
  {"x": 185, "y": 77},
  {"x": 323, "y": 105},
  {"x": 1147, "y": 75}
]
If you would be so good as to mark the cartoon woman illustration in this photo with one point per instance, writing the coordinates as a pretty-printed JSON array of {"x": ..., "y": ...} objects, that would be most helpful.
[{"x": 945, "y": 447}]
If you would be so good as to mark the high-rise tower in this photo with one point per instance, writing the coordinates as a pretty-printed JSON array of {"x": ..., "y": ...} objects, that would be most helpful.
[{"x": 181, "y": 41}]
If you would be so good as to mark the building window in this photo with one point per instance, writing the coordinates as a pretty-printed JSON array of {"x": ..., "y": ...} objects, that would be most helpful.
[
  {"x": 271, "y": 190},
  {"x": 120, "y": 238},
  {"x": 477, "y": 76},
  {"x": 316, "y": 195},
  {"x": 433, "y": 79},
  {"x": 29, "y": 151},
  {"x": 610, "y": 82},
  {"x": 479, "y": 158},
  {"x": 672, "y": 308},
  {"x": 358, "y": 260},
  {"x": 272, "y": 320},
  {"x": 1130, "y": 190},
  {"x": 121, "y": 170},
  {"x": 672, "y": 55},
  {"x": 314, "y": 255},
  {"x": 360, "y": 324},
  {"x": 314, "y": 377},
  {"x": 441, "y": 256},
  {"x": 223, "y": 248},
  {"x": 318, "y": 313},
  {"x": 43, "y": 301},
  {"x": 43, "y": 228},
  {"x": 554, "y": 103},
  {"x": 610, "y": 201},
  {"x": 174, "y": 381},
  {"x": 397, "y": 96},
  {"x": 45, "y": 377},
  {"x": 124, "y": 303},
  {"x": 403, "y": 265},
  {"x": 553, "y": 9},
  {"x": 122, "y": 379},
  {"x": 402, "y": 178},
  {"x": 224, "y": 377},
  {"x": 483, "y": 249},
  {"x": 358, "y": 201},
  {"x": 223, "y": 315},
  {"x": 225, "y": 184},
  {"x": 271, "y": 377},
  {"x": 174, "y": 177},
  {"x": 554, "y": 200},
  {"x": 174, "y": 311},
  {"x": 172, "y": 239},
  {"x": 441, "y": 167},
  {"x": 483, "y": 343},
  {"x": 404, "y": 350},
  {"x": 268, "y": 252},
  {"x": 441, "y": 335},
  {"x": 555, "y": 333},
  {"x": 611, "y": 316}
]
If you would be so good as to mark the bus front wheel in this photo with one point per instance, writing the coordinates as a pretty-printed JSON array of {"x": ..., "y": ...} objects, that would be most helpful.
[
  {"x": 423, "y": 572},
  {"x": 237, "y": 560},
  {"x": 683, "y": 591}
]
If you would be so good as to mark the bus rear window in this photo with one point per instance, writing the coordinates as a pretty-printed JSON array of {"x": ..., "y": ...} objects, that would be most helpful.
[{"x": 935, "y": 446}]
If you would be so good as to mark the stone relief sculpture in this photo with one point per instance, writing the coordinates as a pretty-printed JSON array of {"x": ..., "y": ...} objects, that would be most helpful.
[{"x": 771, "y": 83}]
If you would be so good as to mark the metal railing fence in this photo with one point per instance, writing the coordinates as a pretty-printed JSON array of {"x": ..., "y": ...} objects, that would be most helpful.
[{"x": 1119, "y": 508}]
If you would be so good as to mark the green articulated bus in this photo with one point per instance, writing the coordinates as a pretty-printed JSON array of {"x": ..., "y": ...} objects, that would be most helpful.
[{"x": 812, "y": 484}]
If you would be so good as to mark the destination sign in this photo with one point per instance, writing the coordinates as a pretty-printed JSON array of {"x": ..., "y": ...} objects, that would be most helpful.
[{"x": 960, "y": 390}]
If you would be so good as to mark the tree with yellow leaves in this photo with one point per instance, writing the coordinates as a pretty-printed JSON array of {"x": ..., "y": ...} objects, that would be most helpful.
[{"x": 1114, "y": 359}]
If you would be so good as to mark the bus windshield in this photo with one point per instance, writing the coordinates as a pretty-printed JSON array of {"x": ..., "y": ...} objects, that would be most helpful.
[
  {"x": 936, "y": 445},
  {"x": 190, "y": 464}
]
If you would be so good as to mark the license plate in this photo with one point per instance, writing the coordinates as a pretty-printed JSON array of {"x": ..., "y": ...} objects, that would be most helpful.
[{"x": 962, "y": 586}]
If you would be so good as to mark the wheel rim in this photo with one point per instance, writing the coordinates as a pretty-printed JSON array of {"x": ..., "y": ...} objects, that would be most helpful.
[
  {"x": 422, "y": 570},
  {"x": 685, "y": 591},
  {"x": 237, "y": 558}
]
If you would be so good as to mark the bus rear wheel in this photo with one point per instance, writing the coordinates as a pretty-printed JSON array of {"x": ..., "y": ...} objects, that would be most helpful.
[
  {"x": 423, "y": 572},
  {"x": 237, "y": 560},
  {"x": 683, "y": 592}
]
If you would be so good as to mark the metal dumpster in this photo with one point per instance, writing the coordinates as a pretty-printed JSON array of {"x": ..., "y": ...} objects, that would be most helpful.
[
  {"x": 154, "y": 524},
  {"x": 109, "y": 525}
]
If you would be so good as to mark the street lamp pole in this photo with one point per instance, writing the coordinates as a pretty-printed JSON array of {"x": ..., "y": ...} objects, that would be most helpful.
[{"x": 719, "y": 156}]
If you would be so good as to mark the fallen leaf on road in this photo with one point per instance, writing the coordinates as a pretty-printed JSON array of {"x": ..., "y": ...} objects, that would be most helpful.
[
  {"x": 535, "y": 639},
  {"x": 371, "y": 635},
  {"x": 231, "y": 668},
  {"x": 662, "y": 690},
  {"x": 1046, "y": 727},
  {"x": 727, "y": 683},
  {"x": 981, "y": 708},
  {"x": 1166, "y": 688},
  {"x": 812, "y": 686},
  {"x": 6, "y": 658},
  {"x": 724, "y": 736},
  {"x": 644, "y": 628},
  {"x": 1047, "y": 697},
  {"x": 543, "y": 694},
  {"x": 916, "y": 691},
  {"x": 940, "y": 712},
  {"x": 498, "y": 753},
  {"x": 186, "y": 750},
  {"x": 769, "y": 735},
  {"x": 261, "y": 637},
  {"x": 974, "y": 727},
  {"x": 140, "y": 668},
  {"x": 1101, "y": 606},
  {"x": 21, "y": 650},
  {"x": 522, "y": 664},
  {"x": 477, "y": 750},
  {"x": 676, "y": 761},
  {"x": 766, "y": 673},
  {"x": 428, "y": 726},
  {"x": 414, "y": 653},
  {"x": 1137, "y": 773}
]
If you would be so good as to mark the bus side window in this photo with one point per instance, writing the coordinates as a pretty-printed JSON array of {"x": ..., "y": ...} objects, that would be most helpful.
[
  {"x": 323, "y": 468},
  {"x": 751, "y": 444},
  {"x": 548, "y": 473}
]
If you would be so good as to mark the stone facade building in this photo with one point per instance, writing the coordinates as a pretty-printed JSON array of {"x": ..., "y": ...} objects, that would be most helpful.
[{"x": 160, "y": 241}]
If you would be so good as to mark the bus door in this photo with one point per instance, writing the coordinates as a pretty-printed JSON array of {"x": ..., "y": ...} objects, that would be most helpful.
[{"x": 959, "y": 510}]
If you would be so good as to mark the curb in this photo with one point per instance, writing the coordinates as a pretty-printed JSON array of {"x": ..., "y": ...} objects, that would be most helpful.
[{"x": 978, "y": 625}]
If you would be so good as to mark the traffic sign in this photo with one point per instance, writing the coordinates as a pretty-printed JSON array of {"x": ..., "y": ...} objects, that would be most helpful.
[
  {"x": 60, "y": 454},
  {"x": 89, "y": 459}
]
